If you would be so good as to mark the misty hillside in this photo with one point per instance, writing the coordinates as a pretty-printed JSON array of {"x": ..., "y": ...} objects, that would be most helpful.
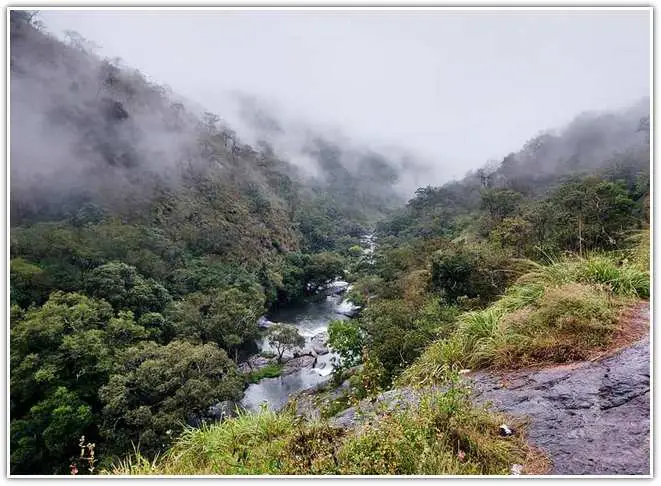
[
  {"x": 613, "y": 145},
  {"x": 110, "y": 137}
]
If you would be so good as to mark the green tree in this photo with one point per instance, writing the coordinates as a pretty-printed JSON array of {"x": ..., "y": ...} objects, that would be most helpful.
[
  {"x": 322, "y": 268},
  {"x": 156, "y": 389},
  {"x": 591, "y": 214},
  {"x": 46, "y": 438},
  {"x": 60, "y": 355},
  {"x": 227, "y": 317},
  {"x": 500, "y": 203},
  {"x": 283, "y": 337},
  {"x": 476, "y": 272},
  {"x": 394, "y": 335},
  {"x": 124, "y": 288},
  {"x": 347, "y": 340},
  {"x": 28, "y": 283},
  {"x": 514, "y": 232}
]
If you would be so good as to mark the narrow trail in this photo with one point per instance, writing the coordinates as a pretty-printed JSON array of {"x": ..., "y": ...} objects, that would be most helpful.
[{"x": 591, "y": 417}]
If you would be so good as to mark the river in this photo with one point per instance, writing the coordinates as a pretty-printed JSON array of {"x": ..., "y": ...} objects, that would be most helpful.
[{"x": 311, "y": 318}]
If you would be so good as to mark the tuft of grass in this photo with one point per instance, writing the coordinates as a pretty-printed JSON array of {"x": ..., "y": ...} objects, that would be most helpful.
[
  {"x": 272, "y": 370},
  {"x": 436, "y": 365},
  {"x": 624, "y": 277},
  {"x": 569, "y": 323},
  {"x": 442, "y": 434},
  {"x": 248, "y": 444}
]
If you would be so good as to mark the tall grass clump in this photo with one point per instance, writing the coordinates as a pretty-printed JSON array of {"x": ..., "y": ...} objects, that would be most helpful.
[
  {"x": 248, "y": 444},
  {"x": 640, "y": 254},
  {"x": 443, "y": 434},
  {"x": 569, "y": 323},
  {"x": 436, "y": 364},
  {"x": 623, "y": 277}
]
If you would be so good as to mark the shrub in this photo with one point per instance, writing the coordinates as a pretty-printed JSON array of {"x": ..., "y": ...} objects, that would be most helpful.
[
  {"x": 568, "y": 323},
  {"x": 347, "y": 340},
  {"x": 480, "y": 273}
]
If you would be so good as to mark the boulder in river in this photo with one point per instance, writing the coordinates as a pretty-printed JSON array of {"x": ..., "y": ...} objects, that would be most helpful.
[
  {"x": 255, "y": 363},
  {"x": 338, "y": 287},
  {"x": 299, "y": 363},
  {"x": 264, "y": 323},
  {"x": 347, "y": 308},
  {"x": 319, "y": 343}
]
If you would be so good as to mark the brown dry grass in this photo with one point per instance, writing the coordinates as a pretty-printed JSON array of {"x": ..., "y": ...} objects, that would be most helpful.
[
  {"x": 633, "y": 324},
  {"x": 537, "y": 463}
]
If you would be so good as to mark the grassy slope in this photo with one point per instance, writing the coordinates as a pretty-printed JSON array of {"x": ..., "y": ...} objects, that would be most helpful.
[
  {"x": 557, "y": 313},
  {"x": 444, "y": 434}
]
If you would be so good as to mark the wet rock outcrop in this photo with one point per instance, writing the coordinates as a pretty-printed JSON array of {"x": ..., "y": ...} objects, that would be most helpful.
[{"x": 589, "y": 418}]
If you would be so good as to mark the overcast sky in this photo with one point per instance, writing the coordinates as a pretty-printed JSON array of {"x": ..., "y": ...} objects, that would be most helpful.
[{"x": 459, "y": 87}]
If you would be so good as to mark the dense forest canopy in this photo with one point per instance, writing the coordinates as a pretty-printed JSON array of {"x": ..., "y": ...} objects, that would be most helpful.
[{"x": 147, "y": 239}]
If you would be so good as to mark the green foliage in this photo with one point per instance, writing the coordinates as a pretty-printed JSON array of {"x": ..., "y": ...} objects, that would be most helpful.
[
  {"x": 28, "y": 283},
  {"x": 364, "y": 288},
  {"x": 500, "y": 203},
  {"x": 124, "y": 288},
  {"x": 304, "y": 274},
  {"x": 156, "y": 389},
  {"x": 560, "y": 312},
  {"x": 63, "y": 343},
  {"x": 640, "y": 253},
  {"x": 322, "y": 268},
  {"x": 60, "y": 354},
  {"x": 46, "y": 437},
  {"x": 272, "y": 370},
  {"x": 283, "y": 338},
  {"x": 473, "y": 272},
  {"x": 395, "y": 335},
  {"x": 141, "y": 287},
  {"x": 622, "y": 277},
  {"x": 592, "y": 214},
  {"x": 347, "y": 340},
  {"x": 226, "y": 317}
]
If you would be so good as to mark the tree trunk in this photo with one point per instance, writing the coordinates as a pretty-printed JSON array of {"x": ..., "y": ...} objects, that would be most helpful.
[{"x": 580, "y": 235}]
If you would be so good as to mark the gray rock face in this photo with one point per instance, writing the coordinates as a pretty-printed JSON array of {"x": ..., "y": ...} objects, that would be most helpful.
[
  {"x": 295, "y": 364},
  {"x": 593, "y": 418},
  {"x": 306, "y": 407},
  {"x": 318, "y": 344},
  {"x": 255, "y": 363},
  {"x": 398, "y": 398}
]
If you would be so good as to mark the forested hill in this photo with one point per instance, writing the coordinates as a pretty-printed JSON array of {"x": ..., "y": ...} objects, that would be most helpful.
[
  {"x": 607, "y": 145},
  {"x": 110, "y": 138}
]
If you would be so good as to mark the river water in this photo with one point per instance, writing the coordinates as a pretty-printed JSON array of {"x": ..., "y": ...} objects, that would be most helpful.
[{"x": 311, "y": 318}]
